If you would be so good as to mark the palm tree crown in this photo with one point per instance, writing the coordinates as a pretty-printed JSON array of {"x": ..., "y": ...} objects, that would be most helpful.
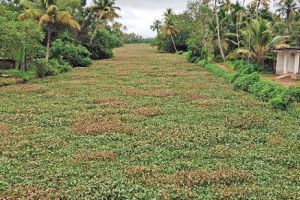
[
  {"x": 169, "y": 29},
  {"x": 169, "y": 12},
  {"x": 50, "y": 12},
  {"x": 156, "y": 26},
  {"x": 47, "y": 11},
  {"x": 104, "y": 10},
  {"x": 256, "y": 4},
  {"x": 286, "y": 8},
  {"x": 262, "y": 40}
]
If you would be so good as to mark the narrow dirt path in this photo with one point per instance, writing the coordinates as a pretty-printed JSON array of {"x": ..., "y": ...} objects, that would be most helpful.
[{"x": 143, "y": 125}]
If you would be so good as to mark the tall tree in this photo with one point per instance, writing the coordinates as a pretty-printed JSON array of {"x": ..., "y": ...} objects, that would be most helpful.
[
  {"x": 156, "y": 26},
  {"x": 170, "y": 30},
  {"x": 48, "y": 13},
  {"x": 19, "y": 40},
  {"x": 218, "y": 29},
  {"x": 287, "y": 8},
  {"x": 239, "y": 13},
  {"x": 257, "y": 4},
  {"x": 105, "y": 10},
  {"x": 263, "y": 39}
]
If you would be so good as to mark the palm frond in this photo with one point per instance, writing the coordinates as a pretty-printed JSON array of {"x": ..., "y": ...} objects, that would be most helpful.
[
  {"x": 28, "y": 4},
  {"x": 30, "y": 14},
  {"x": 239, "y": 53},
  {"x": 44, "y": 19},
  {"x": 52, "y": 10},
  {"x": 279, "y": 40},
  {"x": 66, "y": 18}
]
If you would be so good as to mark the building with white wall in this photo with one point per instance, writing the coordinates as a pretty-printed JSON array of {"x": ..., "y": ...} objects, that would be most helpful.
[{"x": 288, "y": 62}]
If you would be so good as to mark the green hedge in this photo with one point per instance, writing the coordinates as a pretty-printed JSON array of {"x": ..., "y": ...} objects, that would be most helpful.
[{"x": 247, "y": 79}]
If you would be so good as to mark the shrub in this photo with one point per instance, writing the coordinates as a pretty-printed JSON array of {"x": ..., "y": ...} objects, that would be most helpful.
[
  {"x": 294, "y": 92},
  {"x": 216, "y": 70},
  {"x": 179, "y": 52},
  {"x": 196, "y": 52},
  {"x": 282, "y": 101},
  {"x": 245, "y": 81},
  {"x": 278, "y": 96},
  {"x": 102, "y": 45},
  {"x": 75, "y": 54},
  {"x": 98, "y": 52},
  {"x": 19, "y": 39},
  {"x": 165, "y": 44},
  {"x": 265, "y": 90},
  {"x": 244, "y": 68},
  {"x": 23, "y": 75},
  {"x": 53, "y": 67}
]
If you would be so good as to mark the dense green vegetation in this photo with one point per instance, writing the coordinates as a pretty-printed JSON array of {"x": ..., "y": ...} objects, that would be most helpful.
[
  {"x": 144, "y": 126},
  {"x": 222, "y": 30},
  {"x": 247, "y": 79},
  {"x": 238, "y": 33},
  {"x": 47, "y": 37}
]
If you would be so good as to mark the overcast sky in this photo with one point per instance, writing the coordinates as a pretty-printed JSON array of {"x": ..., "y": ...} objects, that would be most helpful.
[{"x": 138, "y": 15}]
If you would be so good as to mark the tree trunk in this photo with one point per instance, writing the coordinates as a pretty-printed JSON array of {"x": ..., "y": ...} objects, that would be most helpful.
[
  {"x": 25, "y": 62},
  {"x": 237, "y": 28},
  {"x": 238, "y": 33},
  {"x": 48, "y": 45},
  {"x": 249, "y": 42},
  {"x": 218, "y": 31},
  {"x": 288, "y": 21},
  {"x": 257, "y": 9},
  {"x": 96, "y": 30},
  {"x": 94, "y": 34},
  {"x": 173, "y": 43}
]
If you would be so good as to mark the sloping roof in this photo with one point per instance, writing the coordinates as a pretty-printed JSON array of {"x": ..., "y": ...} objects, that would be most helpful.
[{"x": 289, "y": 49}]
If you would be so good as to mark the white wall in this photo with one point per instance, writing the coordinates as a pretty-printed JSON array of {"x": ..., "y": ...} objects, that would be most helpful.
[{"x": 280, "y": 62}]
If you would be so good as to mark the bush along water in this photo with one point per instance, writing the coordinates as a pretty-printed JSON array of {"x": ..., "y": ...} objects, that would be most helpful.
[
  {"x": 67, "y": 49},
  {"x": 103, "y": 44},
  {"x": 53, "y": 67},
  {"x": 248, "y": 80}
]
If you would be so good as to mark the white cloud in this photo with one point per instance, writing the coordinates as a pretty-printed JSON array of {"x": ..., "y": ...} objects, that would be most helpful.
[{"x": 138, "y": 15}]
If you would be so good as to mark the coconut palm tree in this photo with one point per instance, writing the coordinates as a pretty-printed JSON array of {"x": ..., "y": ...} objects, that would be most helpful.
[
  {"x": 168, "y": 13},
  {"x": 169, "y": 29},
  {"x": 105, "y": 10},
  {"x": 287, "y": 8},
  {"x": 262, "y": 40},
  {"x": 156, "y": 26},
  {"x": 48, "y": 13},
  {"x": 239, "y": 12},
  {"x": 257, "y": 3}
]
